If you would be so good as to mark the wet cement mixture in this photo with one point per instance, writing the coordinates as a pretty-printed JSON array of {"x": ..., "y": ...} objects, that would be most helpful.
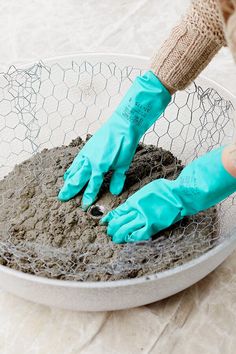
[{"x": 42, "y": 236}]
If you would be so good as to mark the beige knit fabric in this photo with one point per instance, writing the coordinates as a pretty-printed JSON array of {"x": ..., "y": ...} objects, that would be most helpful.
[
  {"x": 193, "y": 42},
  {"x": 228, "y": 10}
]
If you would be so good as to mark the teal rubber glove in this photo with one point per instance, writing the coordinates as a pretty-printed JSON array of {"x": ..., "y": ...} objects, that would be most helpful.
[
  {"x": 115, "y": 143},
  {"x": 161, "y": 203}
]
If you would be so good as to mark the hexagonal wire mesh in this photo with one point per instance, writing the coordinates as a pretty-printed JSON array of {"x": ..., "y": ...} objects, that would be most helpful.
[{"x": 45, "y": 106}]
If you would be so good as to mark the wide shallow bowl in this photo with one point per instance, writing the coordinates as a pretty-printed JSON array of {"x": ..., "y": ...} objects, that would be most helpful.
[{"x": 73, "y": 95}]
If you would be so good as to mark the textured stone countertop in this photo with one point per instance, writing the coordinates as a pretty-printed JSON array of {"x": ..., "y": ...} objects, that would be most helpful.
[{"x": 199, "y": 319}]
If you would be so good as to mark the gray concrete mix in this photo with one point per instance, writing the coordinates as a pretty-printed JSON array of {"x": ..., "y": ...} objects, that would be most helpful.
[{"x": 42, "y": 236}]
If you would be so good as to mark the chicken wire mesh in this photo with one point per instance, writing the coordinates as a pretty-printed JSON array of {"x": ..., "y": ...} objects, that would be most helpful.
[{"x": 45, "y": 110}]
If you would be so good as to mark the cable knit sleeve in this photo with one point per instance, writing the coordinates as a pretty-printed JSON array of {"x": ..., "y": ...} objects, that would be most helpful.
[{"x": 190, "y": 46}]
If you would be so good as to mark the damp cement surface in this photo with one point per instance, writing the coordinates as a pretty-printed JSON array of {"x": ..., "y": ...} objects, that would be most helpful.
[{"x": 42, "y": 236}]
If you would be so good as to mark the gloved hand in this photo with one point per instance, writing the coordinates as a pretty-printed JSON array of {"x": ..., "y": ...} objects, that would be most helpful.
[
  {"x": 114, "y": 145},
  {"x": 159, "y": 204}
]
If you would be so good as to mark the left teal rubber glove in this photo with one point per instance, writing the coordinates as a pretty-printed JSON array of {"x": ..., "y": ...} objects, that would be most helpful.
[
  {"x": 200, "y": 185},
  {"x": 114, "y": 144}
]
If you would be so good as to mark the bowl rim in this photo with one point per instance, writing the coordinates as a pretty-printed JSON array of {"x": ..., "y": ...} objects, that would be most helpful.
[
  {"x": 231, "y": 240},
  {"x": 145, "y": 59}
]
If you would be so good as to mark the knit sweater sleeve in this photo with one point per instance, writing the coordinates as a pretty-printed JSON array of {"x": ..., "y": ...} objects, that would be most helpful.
[{"x": 191, "y": 45}]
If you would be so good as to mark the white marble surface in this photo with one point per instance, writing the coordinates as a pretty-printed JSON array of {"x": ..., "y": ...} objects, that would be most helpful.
[{"x": 200, "y": 319}]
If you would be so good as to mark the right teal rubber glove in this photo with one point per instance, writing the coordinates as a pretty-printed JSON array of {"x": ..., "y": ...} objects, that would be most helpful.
[
  {"x": 115, "y": 143},
  {"x": 201, "y": 184}
]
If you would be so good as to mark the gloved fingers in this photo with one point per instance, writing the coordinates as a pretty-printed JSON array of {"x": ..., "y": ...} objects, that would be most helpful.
[
  {"x": 115, "y": 213},
  {"x": 74, "y": 183},
  {"x": 92, "y": 189},
  {"x": 142, "y": 234},
  {"x": 117, "y": 182},
  {"x": 74, "y": 167},
  {"x": 125, "y": 230},
  {"x": 118, "y": 222}
]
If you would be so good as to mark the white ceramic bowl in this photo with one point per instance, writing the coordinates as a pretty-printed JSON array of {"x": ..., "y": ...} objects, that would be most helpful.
[{"x": 99, "y": 296}]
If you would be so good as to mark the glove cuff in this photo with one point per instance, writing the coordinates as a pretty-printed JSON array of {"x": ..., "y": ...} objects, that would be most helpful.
[
  {"x": 204, "y": 183},
  {"x": 144, "y": 102}
]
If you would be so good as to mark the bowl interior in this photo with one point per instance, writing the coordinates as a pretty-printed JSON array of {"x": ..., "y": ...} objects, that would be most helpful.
[{"x": 47, "y": 104}]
